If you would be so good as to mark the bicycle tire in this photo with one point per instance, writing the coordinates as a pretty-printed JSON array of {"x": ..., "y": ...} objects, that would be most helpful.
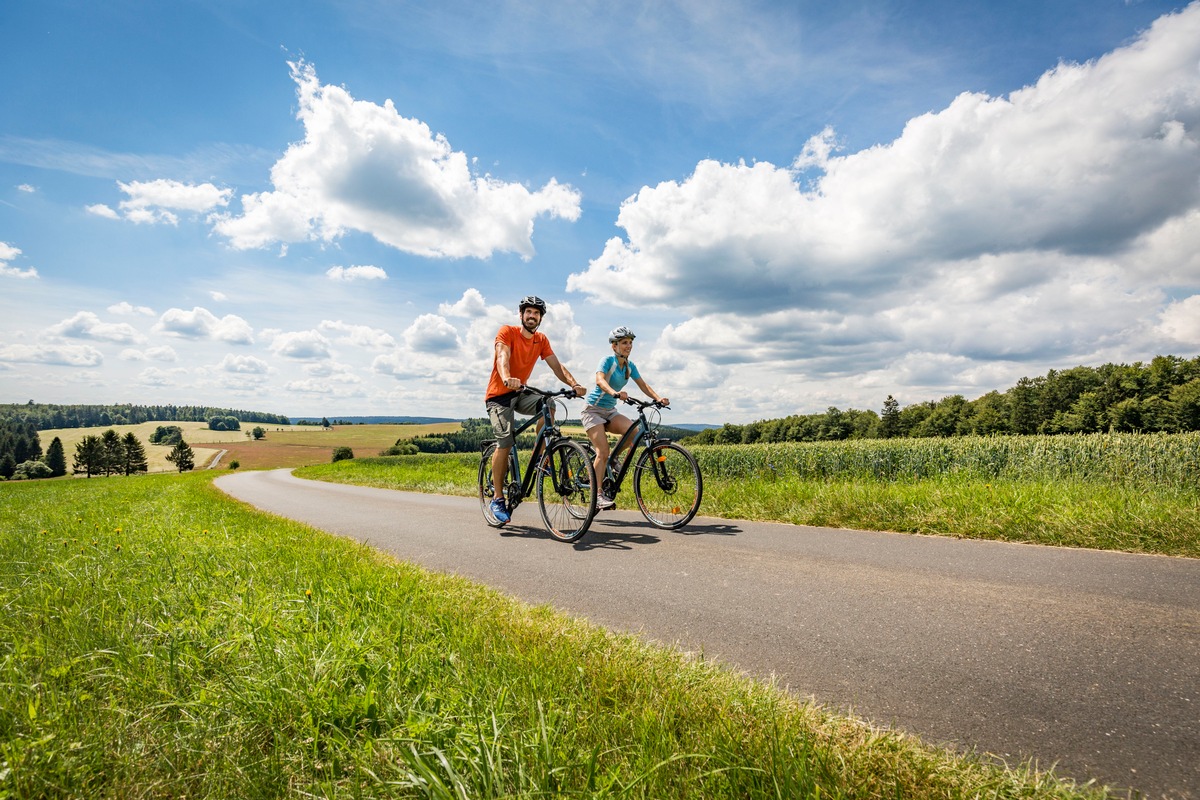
[
  {"x": 485, "y": 487},
  {"x": 668, "y": 485},
  {"x": 566, "y": 494}
]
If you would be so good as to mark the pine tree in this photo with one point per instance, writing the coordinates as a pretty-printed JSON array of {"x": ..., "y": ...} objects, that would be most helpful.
[
  {"x": 114, "y": 452},
  {"x": 134, "y": 455},
  {"x": 890, "y": 425},
  {"x": 56, "y": 459},
  {"x": 182, "y": 456},
  {"x": 89, "y": 456}
]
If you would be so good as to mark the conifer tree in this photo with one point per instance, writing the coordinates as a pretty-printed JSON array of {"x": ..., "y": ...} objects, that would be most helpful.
[
  {"x": 114, "y": 452},
  {"x": 56, "y": 459},
  {"x": 134, "y": 455},
  {"x": 182, "y": 456},
  {"x": 89, "y": 456}
]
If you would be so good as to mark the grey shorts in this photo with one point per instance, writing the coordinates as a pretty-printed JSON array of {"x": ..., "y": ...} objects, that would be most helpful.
[
  {"x": 503, "y": 417},
  {"x": 591, "y": 416}
]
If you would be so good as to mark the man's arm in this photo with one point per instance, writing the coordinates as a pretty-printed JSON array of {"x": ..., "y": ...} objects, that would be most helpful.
[
  {"x": 503, "y": 366},
  {"x": 564, "y": 375}
]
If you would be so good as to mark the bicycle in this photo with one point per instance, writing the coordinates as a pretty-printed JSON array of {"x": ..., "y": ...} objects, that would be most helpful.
[
  {"x": 666, "y": 479},
  {"x": 561, "y": 468}
]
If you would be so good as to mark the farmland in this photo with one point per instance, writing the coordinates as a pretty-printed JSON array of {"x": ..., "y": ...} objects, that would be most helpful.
[{"x": 283, "y": 446}]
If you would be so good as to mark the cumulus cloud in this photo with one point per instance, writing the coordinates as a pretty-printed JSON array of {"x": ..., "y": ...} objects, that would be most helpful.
[
  {"x": 301, "y": 345},
  {"x": 9, "y": 253},
  {"x": 200, "y": 323},
  {"x": 243, "y": 365},
  {"x": 163, "y": 353},
  {"x": 471, "y": 304},
  {"x": 1043, "y": 225},
  {"x": 358, "y": 335},
  {"x": 363, "y": 167},
  {"x": 86, "y": 325},
  {"x": 366, "y": 273},
  {"x": 125, "y": 309},
  {"x": 102, "y": 210},
  {"x": 67, "y": 355},
  {"x": 430, "y": 333},
  {"x": 156, "y": 201},
  {"x": 1181, "y": 321},
  {"x": 25, "y": 187}
]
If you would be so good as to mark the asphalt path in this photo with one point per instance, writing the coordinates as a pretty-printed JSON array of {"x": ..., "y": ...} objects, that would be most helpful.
[{"x": 1081, "y": 659}]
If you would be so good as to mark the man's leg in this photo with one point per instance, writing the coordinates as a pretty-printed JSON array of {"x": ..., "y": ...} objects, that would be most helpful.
[{"x": 499, "y": 468}]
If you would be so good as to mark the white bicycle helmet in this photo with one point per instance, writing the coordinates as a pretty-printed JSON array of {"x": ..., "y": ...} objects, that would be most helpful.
[{"x": 617, "y": 334}]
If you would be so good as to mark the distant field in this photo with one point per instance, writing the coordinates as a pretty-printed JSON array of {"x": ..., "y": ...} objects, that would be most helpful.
[{"x": 283, "y": 446}]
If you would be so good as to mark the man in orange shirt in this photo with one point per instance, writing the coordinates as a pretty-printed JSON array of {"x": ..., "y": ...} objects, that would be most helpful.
[{"x": 518, "y": 349}]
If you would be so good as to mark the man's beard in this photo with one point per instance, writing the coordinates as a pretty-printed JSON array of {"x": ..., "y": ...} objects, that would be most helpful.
[{"x": 531, "y": 325}]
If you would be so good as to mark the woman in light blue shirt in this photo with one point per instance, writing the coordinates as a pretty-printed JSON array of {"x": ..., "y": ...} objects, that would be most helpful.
[{"x": 600, "y": 416}]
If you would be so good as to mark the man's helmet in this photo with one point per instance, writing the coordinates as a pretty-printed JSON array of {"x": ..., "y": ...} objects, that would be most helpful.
[
  {"x": 532, "y": 301},
  {"x": 617, "y": 334}
]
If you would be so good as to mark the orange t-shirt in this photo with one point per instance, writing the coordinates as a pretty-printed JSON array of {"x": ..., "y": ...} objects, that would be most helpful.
[{"x": 524, "y": 356}]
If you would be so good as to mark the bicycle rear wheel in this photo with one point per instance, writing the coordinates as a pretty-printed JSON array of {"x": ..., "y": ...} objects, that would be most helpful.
[
  {"x": 667, "y": 485},
  {"x": 485, "y": 487},
  {"x": 565, "y": 490}
]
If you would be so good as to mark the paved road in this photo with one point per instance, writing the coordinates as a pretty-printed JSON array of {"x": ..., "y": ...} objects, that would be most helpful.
[{"x": 1085, "y": 659}]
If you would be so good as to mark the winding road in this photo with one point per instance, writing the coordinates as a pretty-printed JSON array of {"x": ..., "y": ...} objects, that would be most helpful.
[{"x": 1081, "y": 659}]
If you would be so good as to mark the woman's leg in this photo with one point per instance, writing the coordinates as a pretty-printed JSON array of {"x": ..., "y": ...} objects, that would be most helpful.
[{"x": 599, "y": 441}]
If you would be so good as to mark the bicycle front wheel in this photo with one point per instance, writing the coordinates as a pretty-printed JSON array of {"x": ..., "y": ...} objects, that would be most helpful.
[
  {"x": 485, "y": 487},
  {"x": 566, "y": 495},
  {"x": 667, "y": 485}
]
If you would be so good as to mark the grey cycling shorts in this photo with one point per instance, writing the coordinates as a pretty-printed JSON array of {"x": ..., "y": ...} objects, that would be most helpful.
[
  {"x": 591, "y": 416},
  {"x": 503, "y": 417}
]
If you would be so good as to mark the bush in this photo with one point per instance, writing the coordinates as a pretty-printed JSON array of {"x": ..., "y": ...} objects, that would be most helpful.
[
  {"x": 234, "y": 464},
  {"x": 342, "y": 454},
  {"x": 401, "y": 449},
  {"x": 29, "y": 470}
]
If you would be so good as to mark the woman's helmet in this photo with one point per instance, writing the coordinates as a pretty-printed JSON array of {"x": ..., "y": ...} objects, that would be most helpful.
[
  {"x": 617, "y": 334},
  {"x": 532, "y": 301}
]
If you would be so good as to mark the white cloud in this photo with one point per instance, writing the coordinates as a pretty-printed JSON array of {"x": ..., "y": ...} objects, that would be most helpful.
[
  {"x": 163, "y": 353},
  {"x": 367, "y": 273},
  {"x": 102, "y": 210},
  {"x": 200, "y": 323},
  {"x": 363, "y": 167},
  {"x": 219, "y": 297},
  {"x": 358, "y": 335},
  {"x": 124, "y": 309},
  {"x": 243, "y": 365},
  {"x": 7, "y": 254},
  {"x": 471, "y": 304},
  {"x": 1181, "y": 321},
  {"x": 68, "y": 355},
  {"x": 25, "y": 187},
  {"x": 430, "y": 333},
  {"x": 301, "y": 345},
  {"x": 86, "y": 325},
  {"x": 153, "y": 201},
  {"x": 1039, "y": 227}
]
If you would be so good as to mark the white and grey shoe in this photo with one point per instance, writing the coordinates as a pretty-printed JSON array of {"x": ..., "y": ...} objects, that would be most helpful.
[{"x": 603, "y": 501}]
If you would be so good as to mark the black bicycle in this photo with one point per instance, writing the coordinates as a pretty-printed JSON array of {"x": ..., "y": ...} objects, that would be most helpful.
[
  {"x": 666, "y": 477},
  {"x": 561, "y": 467}
]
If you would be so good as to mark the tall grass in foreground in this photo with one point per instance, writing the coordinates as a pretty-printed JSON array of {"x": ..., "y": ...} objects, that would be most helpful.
[
  {"x": 161, "y": 640},
  {"x": 1107, "y": 491}
]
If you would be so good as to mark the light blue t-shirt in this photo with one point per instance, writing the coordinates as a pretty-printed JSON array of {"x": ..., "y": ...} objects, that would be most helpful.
[{"x": 617, "y": 378}]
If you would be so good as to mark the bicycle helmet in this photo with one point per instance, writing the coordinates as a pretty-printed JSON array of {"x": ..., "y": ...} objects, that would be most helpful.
[
  {"x": 532, "y": 301},
  {"x": 617, "y": 334}
]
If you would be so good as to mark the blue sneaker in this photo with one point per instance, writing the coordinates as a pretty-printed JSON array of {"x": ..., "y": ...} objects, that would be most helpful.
[{"x": 499, "y": 511}]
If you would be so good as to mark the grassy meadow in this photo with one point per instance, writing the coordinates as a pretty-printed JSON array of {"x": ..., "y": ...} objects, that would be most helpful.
[
  {"x": 162, "y": 640},
  {"x": 1128, "y": 492}
]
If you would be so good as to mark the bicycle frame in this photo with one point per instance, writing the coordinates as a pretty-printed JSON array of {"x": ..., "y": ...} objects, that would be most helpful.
[
  {"x": 548, "y": 432},
  {"x": 638, "y": 434}
]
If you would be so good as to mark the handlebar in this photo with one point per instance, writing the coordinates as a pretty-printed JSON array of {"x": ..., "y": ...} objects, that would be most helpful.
[
  {"x": 546, "y": 393},
  {"x": 633, "y": 401}
]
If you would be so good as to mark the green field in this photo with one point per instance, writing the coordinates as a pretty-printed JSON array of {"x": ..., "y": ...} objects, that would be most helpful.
[
  {"x": 162, "y": 640},
  {"x": 1105, "y": 491}
]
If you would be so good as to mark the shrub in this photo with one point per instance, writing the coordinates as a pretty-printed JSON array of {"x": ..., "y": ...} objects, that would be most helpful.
[
  {"x": 29, "y": 470},
  {"x": 342, "y": 454},
  {"x": 234, "y": 464}
]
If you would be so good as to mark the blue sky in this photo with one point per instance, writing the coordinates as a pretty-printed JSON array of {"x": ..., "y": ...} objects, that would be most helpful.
[{"x": 315, "y": 208}]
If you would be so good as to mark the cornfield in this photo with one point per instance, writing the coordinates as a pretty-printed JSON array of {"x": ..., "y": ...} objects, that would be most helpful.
[{"x": 1144, "y": 459}]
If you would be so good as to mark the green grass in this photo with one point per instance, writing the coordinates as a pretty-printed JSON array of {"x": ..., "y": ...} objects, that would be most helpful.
[
  {"x": 1110, "y": 492},
  {"x": 161, "y": 640}
]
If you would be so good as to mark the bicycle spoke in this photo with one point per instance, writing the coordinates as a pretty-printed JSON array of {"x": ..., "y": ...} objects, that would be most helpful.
[
  {"x": 667, "y": 485},
  {"x": 565, "y": 491}
]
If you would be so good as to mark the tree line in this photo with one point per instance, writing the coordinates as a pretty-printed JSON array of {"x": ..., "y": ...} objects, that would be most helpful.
[
  {"x": 1161, "y": 396},
  {"x": 49, "y": 416}
]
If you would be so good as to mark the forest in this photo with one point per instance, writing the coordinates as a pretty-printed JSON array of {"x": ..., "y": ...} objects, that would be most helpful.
[
  {"x": 47, "y": 416},
  {"x": 1160, "y": 396}
]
